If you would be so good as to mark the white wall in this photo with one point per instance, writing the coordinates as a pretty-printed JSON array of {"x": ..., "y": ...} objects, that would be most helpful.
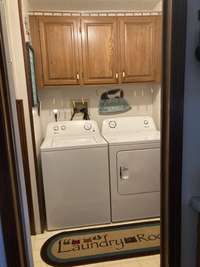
[
  {"x": 139, "y": 96},
  {"x": 156, "y": 108},
  {"x": 16, "y": 53},
  {"x": 158, "y": 6},
  {"x": 92, "y": 4},
  {"x": 191, "y": 153},
  {"x": 25, "y": 8}
]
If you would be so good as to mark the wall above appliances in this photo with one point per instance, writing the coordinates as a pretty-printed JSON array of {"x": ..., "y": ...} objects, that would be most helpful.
[
  {"x": 92, "y": 4},
  {"x": 101, "y": 50},
  {"x": 141, "y": 98}
]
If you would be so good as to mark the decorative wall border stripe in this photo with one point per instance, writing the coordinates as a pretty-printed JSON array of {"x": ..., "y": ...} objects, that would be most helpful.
[{"x": 125, "y": 13}]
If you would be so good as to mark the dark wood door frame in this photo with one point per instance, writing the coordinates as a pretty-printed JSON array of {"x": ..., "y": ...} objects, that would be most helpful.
[
  {"x": 174, "y": 48},
  {"x": 24, "y": 148},
  {"x": 10, "y": 192},
  {"x": 172, "y": 136}
]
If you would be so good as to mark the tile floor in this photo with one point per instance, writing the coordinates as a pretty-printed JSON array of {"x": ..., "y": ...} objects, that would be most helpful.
[{"x": 148, "y": 261}]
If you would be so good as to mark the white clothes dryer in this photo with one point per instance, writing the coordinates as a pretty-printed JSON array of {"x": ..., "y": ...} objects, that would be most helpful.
[{"x": 134, "y": 156}]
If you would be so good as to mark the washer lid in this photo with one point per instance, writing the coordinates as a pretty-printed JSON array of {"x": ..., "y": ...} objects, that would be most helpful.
[
  {"x": 59, "y": 143},
  {"x": 62, "y": 142},
  {"x": 72, "y": 134}
]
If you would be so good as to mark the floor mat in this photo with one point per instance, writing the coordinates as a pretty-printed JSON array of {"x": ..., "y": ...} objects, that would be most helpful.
[{"x": 102, "y": 244}]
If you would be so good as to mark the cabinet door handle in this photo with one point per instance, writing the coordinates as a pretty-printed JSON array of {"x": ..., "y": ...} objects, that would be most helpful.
[
  {"x": 124, "y": 173},
  {"x": 77, "y": 76},
  {"x": 124, "y": 74},
  {"x": 117, "y": 76}
]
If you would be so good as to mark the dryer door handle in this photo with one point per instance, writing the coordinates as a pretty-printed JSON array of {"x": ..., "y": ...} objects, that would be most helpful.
[{"x": 124, "y": 173}]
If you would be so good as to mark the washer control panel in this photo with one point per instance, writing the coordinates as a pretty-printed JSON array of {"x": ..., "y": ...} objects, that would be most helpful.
[
  {"x": 59, "y": 129},
  {"x": 72, "y": 128}
]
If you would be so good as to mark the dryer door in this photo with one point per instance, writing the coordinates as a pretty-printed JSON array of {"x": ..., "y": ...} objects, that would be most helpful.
[{"x": 138, "y": 171}]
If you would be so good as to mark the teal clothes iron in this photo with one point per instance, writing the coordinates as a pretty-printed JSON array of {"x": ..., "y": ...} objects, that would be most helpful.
[{"x": 113, "y": 102}]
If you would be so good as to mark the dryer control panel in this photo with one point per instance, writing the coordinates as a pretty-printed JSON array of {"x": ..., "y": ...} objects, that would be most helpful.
[{"x": 128, "y": 124}]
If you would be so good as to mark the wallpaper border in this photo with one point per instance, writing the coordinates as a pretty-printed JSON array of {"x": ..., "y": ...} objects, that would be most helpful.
[{"x": 125, "y": 13}]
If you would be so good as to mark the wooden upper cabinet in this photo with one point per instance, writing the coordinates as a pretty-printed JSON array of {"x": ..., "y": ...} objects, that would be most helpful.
[
  {"x": 96, "y": 50},
  {"x": 139, "y": 48},
  {"x": 99, "y": 49},
  {"x": 60, "y": 50},
  {"x": 158, "y": 47}
]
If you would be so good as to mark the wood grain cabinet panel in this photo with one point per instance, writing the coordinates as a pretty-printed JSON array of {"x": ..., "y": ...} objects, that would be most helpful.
[
  {"x": 138, "y": 48},
  {"x": 60, "y": 50},
  {"x": 158, "y": 48},
  {"x": 96, "y": 50},
  {"x": 99, "y": 48}
]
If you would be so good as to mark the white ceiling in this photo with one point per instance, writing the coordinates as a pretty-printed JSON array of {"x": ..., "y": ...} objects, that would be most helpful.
[{"x": 92, "y": 4}]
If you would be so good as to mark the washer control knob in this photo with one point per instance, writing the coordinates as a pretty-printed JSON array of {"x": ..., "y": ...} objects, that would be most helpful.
[
  {"x": 63, "y": 127},
  {"x": 56, "y": 128},
  {"x": 112, "y": 124},
  {"x": 88, "y": 126}
]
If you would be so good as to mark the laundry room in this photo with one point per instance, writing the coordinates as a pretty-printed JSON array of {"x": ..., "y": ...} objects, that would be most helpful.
[{"x": 93, "y": 71}]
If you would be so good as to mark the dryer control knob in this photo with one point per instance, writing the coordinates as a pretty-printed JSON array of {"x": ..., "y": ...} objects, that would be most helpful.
[
  {"x": 112, "y": 124},
  {"x": 146, "y": 124},
  {"x": 88, "y": 126}
]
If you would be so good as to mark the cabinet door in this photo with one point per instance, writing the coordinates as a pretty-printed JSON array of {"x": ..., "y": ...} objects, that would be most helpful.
[
  {"x": 138, "y": 49},
  {"x": 99, "y": 47},
  {"x": 59, "y": 49}
]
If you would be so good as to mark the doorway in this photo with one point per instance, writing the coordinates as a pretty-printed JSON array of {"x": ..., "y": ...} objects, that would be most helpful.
[{"x": 171, "y": 145}]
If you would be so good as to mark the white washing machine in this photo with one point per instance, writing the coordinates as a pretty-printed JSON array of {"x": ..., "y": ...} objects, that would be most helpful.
[
  {"x": 134, "y": 152},
  {"x": 75, "y": 175}
]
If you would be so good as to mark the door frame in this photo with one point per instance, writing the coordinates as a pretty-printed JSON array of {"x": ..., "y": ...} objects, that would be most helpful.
[
  {"x": 173, "y": 84},
  {"x": 11, "y": 208},
  {"x": 174, "y": 46}
]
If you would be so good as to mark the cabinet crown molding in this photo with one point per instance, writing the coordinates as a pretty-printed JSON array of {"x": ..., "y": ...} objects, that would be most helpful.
[{"x": 114, "y": 13}]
